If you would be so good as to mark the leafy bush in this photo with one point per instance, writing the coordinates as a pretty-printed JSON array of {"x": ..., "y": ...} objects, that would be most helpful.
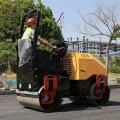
[
  {"x": 7, "y": 55},
  {"x": 114, "y": 69},
  {"x": 2, "y": 84},
  {"x": 115, "y": 64}
]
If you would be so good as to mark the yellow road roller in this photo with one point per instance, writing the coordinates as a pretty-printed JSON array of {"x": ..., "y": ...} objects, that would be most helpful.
[{"x": 45, "y": 78}]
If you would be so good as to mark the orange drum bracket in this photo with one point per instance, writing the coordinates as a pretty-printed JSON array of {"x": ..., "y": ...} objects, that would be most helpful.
[
  {"x": 101, "y": 79},
  {"x": 101, "y": 84},
  {"x": 46, "y": 90}
]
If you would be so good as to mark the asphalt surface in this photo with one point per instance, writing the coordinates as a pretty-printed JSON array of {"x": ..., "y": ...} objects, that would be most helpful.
[{"x": 10, "y": 109}]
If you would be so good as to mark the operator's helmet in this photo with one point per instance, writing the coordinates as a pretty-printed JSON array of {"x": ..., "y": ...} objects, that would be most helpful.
[{"x": 31, "y": 21}]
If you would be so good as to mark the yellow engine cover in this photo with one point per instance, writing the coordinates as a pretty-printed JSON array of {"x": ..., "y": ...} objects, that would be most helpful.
[{"x": 81, "y": 66}]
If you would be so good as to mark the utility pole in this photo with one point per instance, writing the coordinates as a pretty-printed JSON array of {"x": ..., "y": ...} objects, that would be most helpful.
[
  {"x": 100, "y": 49},
  {"x": 78, "y": 44},
  {"x": 60, "y": 20},
  {"x": 84, "y": 45},
  {"x": 60, "y": 17},
  {"x": 61, "y": 25}
]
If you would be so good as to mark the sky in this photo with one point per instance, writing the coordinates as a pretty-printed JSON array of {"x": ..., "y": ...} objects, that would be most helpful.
[{"x": 72, "y": 17}]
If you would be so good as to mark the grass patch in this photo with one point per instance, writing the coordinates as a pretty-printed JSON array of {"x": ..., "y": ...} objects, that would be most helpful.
[
  {"x": 2, "y": 84},
  {"x": 114, "y": 76},
  {"x": 118, "y": 80},
  {"x": 10, "y": 75},
  {"x": 111, "y": 75}
]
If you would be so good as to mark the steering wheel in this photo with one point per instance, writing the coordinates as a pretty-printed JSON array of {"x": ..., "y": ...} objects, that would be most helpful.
[{"x": 54, "y": 42}]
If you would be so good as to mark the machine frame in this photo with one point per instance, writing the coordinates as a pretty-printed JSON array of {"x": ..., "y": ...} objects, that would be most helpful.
[{"x": 48, "y": 77}]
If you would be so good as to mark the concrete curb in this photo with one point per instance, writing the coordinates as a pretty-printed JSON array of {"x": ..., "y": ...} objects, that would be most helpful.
[
  {"x": 7, "y": 92},
  {"x": 113, "y": 86}
]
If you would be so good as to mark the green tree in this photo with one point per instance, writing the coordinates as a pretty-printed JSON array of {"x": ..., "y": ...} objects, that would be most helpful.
[
  {"x": 116, "y": 29},
  {"x": 7, "y": 55},
  {"x": 104, "y": 15},
  {"x": 11, "y": 13},
  {"x": 116, "y": 61},
  {"x": 115, "y": 64},
  {"x": 48, "y": 29}
]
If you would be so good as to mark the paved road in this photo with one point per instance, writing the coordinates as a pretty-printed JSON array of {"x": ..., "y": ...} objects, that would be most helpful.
[{"x": 10, "y": 109}]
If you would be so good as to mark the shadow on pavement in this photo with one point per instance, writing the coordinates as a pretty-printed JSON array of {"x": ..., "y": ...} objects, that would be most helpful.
[
  {"x": 76, "y": 106},
  {"x": 112, "y": 103},
  {"x": 81, "y": 106}
]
